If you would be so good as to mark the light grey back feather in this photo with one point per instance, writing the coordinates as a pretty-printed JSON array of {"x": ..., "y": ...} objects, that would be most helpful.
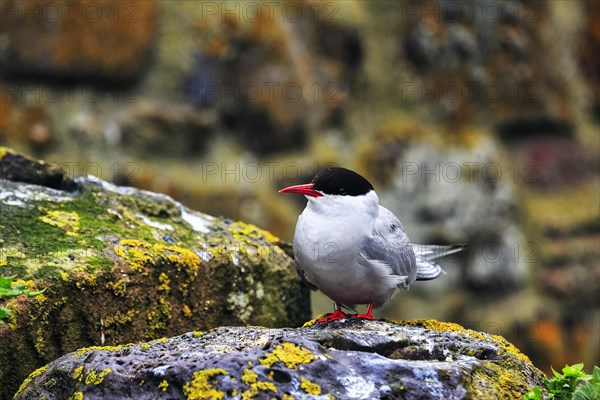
[{"x": 389, "y": 244}]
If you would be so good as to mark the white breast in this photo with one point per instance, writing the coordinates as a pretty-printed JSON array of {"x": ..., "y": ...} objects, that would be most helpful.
[{"x": 327, "y": 245}]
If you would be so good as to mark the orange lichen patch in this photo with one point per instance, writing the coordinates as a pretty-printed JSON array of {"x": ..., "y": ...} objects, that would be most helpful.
[{"x": 84, "y": 40}]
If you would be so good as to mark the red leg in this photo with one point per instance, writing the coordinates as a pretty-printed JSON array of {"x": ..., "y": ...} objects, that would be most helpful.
[
  {"x": 368, "y": 315},
  {"x": 337, "y": 314}
]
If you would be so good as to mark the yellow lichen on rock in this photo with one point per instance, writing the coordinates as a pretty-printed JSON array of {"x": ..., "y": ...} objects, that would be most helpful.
[
  {"x": 200, "y": 386},
  {"x": 84, "y": 350},
  {"x": 310, "y": 387},
  {"x": 249, "y": 377},
  {"x": 76, "y": 396},
  {"x": 94, "y": 378},
  {"x": 289, "y": 353},
  {"x": 503, "y": 344},
  {"x": 257, "y": 387},
  {"x": 31, "y": 376},
  {"x": 164, "y": 385},
  {"x": 78, "y": 373},
  {"x": 245, "y": 230},
  {"x": 140, "y": 254},
  {"x": 165, "y": 283},
  {"x": 69, "y": 221}
]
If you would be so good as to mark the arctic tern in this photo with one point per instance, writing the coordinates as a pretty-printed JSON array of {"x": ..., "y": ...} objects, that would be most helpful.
[{"x": 354, "y": 250}]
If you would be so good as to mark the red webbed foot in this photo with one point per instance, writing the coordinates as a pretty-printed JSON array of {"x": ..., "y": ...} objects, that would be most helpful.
[
  {"x": 367, "y": 315},
  {"x": 334, "y": 316}
]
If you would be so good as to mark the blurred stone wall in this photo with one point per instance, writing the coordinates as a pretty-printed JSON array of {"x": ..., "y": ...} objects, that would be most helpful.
[{"x": 477, "y": 122}]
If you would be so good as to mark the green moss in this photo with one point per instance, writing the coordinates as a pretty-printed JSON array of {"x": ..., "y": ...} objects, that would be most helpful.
[
  {"x": 90, "y": 246},
  {"x": 200, "y": 386},
  {"x": 100, "y": 263}
]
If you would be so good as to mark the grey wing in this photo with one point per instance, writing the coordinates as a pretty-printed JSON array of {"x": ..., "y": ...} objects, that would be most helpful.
[
  {"x": 300, "y": 270},
  {"x": 426, "y": 255},
  {"x": 389, "y": 244}
]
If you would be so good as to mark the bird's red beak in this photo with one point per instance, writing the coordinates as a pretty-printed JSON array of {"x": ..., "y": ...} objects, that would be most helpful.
[{"x": 306, "y": 190}]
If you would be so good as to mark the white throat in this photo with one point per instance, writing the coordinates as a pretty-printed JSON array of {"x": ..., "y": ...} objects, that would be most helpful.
[{"x": 341, "y": 207}]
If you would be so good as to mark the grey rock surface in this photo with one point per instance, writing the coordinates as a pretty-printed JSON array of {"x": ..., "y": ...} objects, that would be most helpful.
[{"x": 348, "y": 359}]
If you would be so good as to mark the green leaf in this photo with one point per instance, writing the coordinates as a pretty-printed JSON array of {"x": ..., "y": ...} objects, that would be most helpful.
[
  {"x": 556, "y": 374},
  {"x": 4, "y": 314},
  {"x": 588, "y": 391},
  {"x": 534, "y": 394},
  {"x": 7, "y": 289},
  {"x": 575, "y": 370}
]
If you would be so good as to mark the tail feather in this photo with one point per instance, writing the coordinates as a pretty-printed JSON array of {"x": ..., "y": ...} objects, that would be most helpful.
[{"x": 426, "y": 255}]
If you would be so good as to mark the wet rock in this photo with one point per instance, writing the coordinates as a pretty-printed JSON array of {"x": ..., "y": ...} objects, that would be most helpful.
[
  {"x": 111, "y": 277},
  {"x": 19, "y": 168},
  {"x": 349, "y": 359}
]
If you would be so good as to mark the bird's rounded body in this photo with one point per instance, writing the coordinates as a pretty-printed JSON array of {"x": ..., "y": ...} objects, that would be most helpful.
[
  {"x": 351, "y": 248},
  {"x": 332, "y": 243}
]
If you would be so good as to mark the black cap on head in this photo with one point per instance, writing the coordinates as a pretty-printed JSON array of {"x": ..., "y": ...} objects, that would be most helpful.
[{"x": 341, "y": 181}]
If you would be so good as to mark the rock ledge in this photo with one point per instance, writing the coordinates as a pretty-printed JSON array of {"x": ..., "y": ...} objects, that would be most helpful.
[{"x": 349, "y": 359}]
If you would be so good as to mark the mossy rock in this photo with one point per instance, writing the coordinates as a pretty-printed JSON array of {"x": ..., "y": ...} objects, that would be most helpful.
[
  {"x": 348, "y": 359},
  {"x": 122, "y": 265}
]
